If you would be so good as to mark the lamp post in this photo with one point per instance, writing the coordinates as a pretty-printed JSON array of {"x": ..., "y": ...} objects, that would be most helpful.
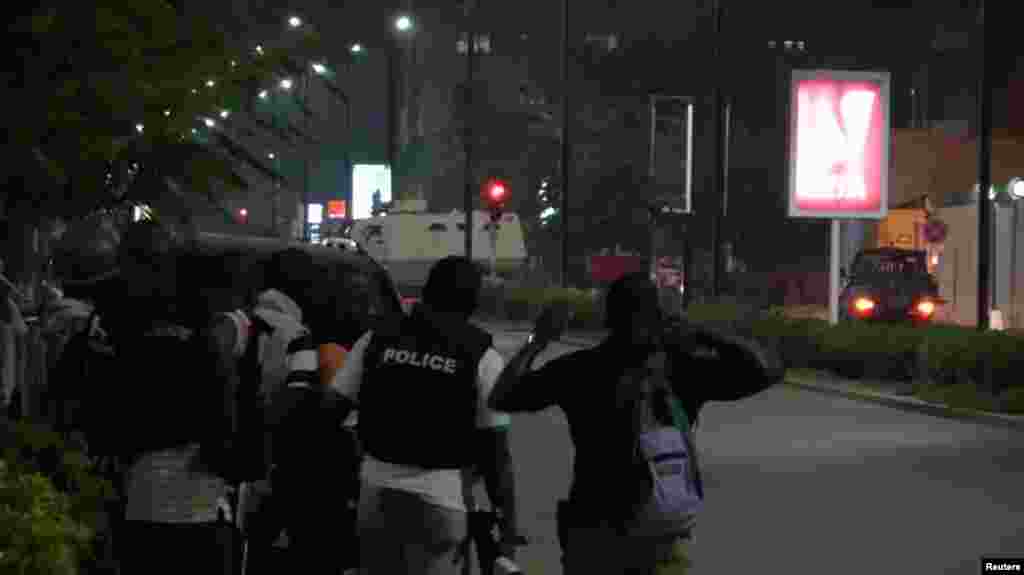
[{"x": 984, "y": 176}]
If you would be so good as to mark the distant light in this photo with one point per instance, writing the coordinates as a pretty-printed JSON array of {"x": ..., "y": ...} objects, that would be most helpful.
[
  {"x": 1017, "y": 188},
  {"x": 356, "y": 48},
  {"x": 167, "y": 113},
  {"x": 403, "y": 23},
  {"x": 271, "y": 155},
  {"x": 788, "y": 44},
  {"x": 139, "y": 128},
  {"x": 286, "y": 84},
  {"x": 259, "y": 49},
  {"x": 224, "y": 114},
  {"x": 319, "y": 68},
  {"x": 210, "y": 83},
  {"x": 295, "y": 21},
  {"x": 195, "y": 131},
  {"x": 209, "y": 122},
  {"x": 243, "y": 212},
  {"x": 234, "y": 64},
  {"x": 194, "y": 91},
  {"x": 935, "y": 260},
  {"x": 264, "y": 94}
]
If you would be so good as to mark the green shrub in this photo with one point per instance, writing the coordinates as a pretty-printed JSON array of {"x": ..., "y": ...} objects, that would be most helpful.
[
  {"x": 30, "y": 450},
  {"x": 38, "y": 531}
]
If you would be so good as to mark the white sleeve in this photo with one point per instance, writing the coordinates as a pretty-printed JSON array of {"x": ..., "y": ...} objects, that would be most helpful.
[
  {"x": 491, "y": 366},
  {"x": 348, "y": 379}
]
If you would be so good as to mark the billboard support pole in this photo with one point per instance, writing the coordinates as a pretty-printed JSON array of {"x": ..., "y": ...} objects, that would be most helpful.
[{"x": 833, "y": 272}]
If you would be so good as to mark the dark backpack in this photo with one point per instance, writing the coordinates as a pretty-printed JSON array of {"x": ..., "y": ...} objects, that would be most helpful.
[
  {"x": 163, "y": 397},
  {"x": 664, "y": 487}
]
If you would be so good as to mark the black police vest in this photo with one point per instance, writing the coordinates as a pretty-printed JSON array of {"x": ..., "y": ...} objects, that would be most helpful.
[{"x": 418, "y": 399}]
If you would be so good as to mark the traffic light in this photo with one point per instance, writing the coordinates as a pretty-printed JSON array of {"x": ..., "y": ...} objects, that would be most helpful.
[{"x": 495, "y": 196}]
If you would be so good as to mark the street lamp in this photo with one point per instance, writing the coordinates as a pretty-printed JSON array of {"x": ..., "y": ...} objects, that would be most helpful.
[
  {"x": 286, "y": 84},
  {"x": 264, "y": 94},
  {"x": 319, "y": 68},
  {"x": 209, "y": 122},
  {"x": 295, "y": 21},
  {"x": 224, "y": 114},
  {"x": 356, "y": 48},
  {"x": 403, "y": 23}
]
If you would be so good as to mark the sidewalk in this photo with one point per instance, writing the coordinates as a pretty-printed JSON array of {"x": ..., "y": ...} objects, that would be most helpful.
[{"x": 851, "y": 389}]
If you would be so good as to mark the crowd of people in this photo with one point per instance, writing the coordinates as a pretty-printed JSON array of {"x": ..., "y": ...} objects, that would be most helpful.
[{"x": 269, "y": 399}]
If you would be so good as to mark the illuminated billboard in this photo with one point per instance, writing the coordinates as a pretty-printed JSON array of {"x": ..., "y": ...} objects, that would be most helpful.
[
  {"x": 368, "y": 180},
  {"x": 839, "y": 142}
]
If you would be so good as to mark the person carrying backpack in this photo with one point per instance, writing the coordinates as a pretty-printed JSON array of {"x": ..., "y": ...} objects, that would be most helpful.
[
  {"x": 162, "y": 407},
  {"x": 629, "y": 402}
]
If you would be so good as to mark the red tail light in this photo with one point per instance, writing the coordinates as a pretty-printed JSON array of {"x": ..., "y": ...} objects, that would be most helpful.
[{"x": 863, "y": 306}]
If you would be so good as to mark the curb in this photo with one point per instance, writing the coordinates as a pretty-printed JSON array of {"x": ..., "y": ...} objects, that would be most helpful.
[{"x": 913, "y": 405}]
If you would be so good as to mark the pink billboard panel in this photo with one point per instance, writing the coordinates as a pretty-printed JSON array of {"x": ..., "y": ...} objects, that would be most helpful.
[{"x": 839, "y": 144}]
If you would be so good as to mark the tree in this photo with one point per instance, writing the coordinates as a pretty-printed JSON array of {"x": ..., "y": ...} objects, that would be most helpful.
[{"x": 114, "y": 105}]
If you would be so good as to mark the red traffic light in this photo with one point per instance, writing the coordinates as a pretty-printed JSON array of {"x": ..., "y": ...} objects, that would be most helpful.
[{"x": 495, "y": 193}]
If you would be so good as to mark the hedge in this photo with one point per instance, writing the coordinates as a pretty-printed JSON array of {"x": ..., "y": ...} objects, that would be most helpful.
[{"x": 936, "y": 355}]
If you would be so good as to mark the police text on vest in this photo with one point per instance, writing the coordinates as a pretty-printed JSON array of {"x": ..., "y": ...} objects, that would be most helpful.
[{"x": 416, "y": 359}]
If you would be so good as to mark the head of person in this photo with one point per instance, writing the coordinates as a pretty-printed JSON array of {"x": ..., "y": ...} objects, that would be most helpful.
[
  {"x": 633, "y": 312},
  {"x": 148, "y": 258},
  {"x": 292, "y": 271},
  {"x": 453, "y": 286}
]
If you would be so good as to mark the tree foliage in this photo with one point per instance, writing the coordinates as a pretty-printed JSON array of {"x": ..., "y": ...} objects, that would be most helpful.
[{"x": 109, "y": 98}]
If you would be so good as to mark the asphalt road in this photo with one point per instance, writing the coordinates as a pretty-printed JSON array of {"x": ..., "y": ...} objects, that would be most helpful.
[{"x": 804, "y": 483}]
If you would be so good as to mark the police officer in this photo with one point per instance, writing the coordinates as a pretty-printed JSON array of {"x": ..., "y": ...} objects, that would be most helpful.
[{"x": 421, "y": 383}]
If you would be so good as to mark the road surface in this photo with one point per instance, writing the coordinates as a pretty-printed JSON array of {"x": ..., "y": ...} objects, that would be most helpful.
[{"x": 804, "y": 483}]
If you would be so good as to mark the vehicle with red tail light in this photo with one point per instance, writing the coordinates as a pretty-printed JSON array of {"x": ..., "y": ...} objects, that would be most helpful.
[{"x": 892, "y": 285}]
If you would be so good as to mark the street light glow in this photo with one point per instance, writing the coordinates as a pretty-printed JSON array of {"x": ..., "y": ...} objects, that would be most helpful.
[
  {"x": 356, "y": 48},
  {"x": 286, "y": 83},
  {"x": 209, "y": 122},
  {"x": 259, "y": 49},
  {"x": 167, "y": 113},
  {"x": 403, "y": 23},
  {"x": 1017, "y": 188},
  {"x": 319, "y": 68},
  {"x": 210, "y": 83},
  {"x": 139, "y": 128},
  {"x": 234, "y": 64},
  {"x": 195, "y": 132},
  {"x": 295, "y": 21},
  {"x": 195, "y": 92},
  {"x": 271, "y": 155},
  {"x": 264, "y": 94},
  {"x": 225, "y": 113}
]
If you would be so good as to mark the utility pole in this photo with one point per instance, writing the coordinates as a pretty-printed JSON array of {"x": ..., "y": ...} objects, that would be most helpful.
[
  {"x": 718, "y": 155},
  {"x": 984, "y": 138},
  {"x": 566, "y": 149},
  {"x": 307, "y": 231},
  {"x": 467, "y": 129}
]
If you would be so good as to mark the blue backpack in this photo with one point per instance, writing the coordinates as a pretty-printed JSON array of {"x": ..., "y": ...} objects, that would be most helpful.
[{"x": 667, "y": 493}]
